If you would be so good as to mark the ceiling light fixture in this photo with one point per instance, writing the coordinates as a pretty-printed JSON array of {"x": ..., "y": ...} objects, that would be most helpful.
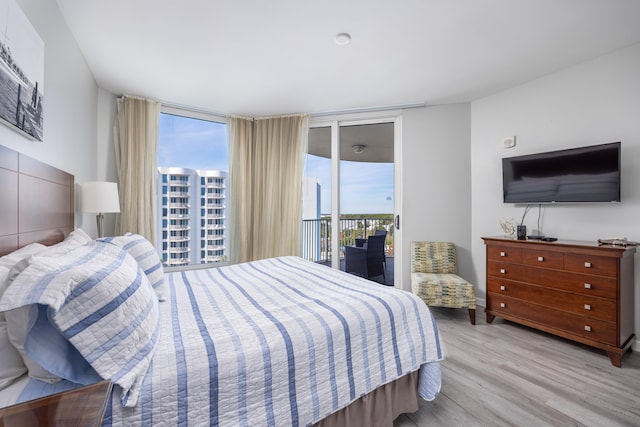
[
  {"x": 343, "y": 38},
  {"x": 358, "y": 149}
]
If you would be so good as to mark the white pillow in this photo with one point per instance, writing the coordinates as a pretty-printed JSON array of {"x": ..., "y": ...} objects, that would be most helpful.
[
  {"x": 74, "y": 240},
  {"x": 9, "y": 260},
  {"x": 14, "y": 257},
  {"x": 11, "y": 364},
  {"x": 17, "y": 323}
]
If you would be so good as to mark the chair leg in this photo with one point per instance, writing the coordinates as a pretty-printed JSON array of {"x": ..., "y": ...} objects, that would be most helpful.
[{"x": 472, "y": 315}]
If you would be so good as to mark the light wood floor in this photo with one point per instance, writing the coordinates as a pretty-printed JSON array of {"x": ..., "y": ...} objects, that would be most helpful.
[{"x": 504, "y": 374}]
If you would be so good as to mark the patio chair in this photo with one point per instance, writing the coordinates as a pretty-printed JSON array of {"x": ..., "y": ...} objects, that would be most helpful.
[
  {"x": 360, "y": 244},
  {"x": 366, "y": 261}
]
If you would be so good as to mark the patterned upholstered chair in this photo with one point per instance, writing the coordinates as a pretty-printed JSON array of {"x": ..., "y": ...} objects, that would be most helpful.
[{"x": 434, "y": 277}]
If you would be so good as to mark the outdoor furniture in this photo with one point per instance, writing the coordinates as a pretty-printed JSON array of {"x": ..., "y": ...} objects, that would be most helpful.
[
  {"x": 366, "y": 261},
  {"x": 434, "y": 277},
  {"x": 361, "y": 242}
]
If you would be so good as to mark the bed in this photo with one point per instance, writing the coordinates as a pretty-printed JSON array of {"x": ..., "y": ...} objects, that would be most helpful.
[{"x": 280, "y": 341}]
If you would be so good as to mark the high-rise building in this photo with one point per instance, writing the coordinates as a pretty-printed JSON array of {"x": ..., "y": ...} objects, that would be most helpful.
[{"x": 191, "y": 226}]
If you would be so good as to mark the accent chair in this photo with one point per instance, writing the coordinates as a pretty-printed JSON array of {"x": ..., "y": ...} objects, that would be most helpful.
[{"x": 434, "y": 277}]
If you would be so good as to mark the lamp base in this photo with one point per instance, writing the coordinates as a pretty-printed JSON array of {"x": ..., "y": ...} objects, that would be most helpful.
[{"x": 100, "y": 223}]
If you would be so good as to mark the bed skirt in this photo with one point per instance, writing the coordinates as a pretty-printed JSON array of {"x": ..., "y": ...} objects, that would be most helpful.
[{"x": 380, "y": 407}]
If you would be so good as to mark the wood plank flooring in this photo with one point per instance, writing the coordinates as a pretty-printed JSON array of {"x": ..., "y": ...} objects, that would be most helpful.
[{"x": 504, "y": 374}]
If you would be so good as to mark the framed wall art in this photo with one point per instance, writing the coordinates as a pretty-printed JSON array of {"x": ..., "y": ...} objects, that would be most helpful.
[{"x": 21, "y": 72}]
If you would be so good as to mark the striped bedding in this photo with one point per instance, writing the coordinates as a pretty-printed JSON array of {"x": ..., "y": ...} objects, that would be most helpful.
[
  {"x": 92, "y": 314},
  {"x": 280, "y": 341}
]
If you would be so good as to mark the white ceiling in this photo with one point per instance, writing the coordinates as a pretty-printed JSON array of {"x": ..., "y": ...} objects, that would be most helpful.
[{"x": 258, "y": 58}]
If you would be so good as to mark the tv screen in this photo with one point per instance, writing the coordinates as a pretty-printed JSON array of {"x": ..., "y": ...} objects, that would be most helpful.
[{"x": 584, "y": 174}]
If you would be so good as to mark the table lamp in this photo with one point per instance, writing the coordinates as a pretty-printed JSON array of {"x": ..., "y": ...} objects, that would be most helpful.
[{"x": 100, "y": 197}]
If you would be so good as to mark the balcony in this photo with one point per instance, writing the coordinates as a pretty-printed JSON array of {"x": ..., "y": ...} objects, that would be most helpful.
[
  {"x": 178, "y": 239},
  {"x": 215, "y": 247},
  {"x": 215, "y": 216},
  {"x": 214, "y": 227},
  {"x": 216, "y": 186},
  {"x": 174, "y": 262},
  {"x": 181, "y": 227},
  {"x": 176, "y": 250},
  {"x": 316, "y": 239},
  {"x": 179, "y": 194}
]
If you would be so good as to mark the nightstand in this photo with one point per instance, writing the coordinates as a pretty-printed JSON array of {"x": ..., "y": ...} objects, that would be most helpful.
[{"x": 83, "y": 406}]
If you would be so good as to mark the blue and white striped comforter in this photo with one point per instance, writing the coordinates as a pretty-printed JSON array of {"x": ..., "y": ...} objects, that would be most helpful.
[{"x": 279, "y": 342}]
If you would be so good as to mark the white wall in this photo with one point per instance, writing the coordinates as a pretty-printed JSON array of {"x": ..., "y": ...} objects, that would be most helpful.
[
  {"x": 70, "y": 96},
  {"x": 105, "y": 152},
  {"x": 436, "y": 182},
  {"x": 592, "y": 103}
]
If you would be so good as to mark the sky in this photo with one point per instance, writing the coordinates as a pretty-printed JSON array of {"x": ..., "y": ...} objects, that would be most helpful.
[
  {"x": 206, "y": 147},
  {"x": 366, "y": 188}
]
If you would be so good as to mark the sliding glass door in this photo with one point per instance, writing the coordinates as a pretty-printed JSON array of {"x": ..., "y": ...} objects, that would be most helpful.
[{"x": 350, "y": 190}]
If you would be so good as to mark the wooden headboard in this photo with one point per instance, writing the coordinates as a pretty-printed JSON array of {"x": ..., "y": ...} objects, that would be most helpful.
[{"x": 36, "y": 203}]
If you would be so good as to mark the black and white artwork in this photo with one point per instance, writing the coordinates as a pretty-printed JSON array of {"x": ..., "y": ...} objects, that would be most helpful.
[{"x": 21, "y": 72}]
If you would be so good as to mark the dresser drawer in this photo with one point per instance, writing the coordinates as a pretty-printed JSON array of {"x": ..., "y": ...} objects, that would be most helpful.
[
  {"x": 605, "y": 287},
  {"x": 542, "y": 258},
  {"x": 587, "y": 327},
  {"x": 504, "y": 253},
  {"x": 589, "y": 264},
  {"x": 504, "y": 270},
  {"x": 599, "y": 308}
]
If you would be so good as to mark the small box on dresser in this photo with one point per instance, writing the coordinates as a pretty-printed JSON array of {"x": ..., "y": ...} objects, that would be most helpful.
[{"x": 577, "y": 290}]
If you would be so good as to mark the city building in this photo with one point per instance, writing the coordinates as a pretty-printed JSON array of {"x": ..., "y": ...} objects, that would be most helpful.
[{"x": 191, "y": 227}]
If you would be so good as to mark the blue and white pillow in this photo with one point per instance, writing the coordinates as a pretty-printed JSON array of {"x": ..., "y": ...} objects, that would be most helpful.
[
  {"x": 146, "y": 255},
  {"x": 92, "y": 314}
]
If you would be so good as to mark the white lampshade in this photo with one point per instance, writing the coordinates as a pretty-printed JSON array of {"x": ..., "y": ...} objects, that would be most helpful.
[{"x": 100, "y": 197}]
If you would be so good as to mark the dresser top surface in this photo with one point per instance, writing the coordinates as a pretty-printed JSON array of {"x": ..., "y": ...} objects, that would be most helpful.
[{"x": 578, "y": 244}]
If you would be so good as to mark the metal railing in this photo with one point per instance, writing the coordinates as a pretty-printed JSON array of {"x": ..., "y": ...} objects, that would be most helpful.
[{"x": 316, "y": 235}]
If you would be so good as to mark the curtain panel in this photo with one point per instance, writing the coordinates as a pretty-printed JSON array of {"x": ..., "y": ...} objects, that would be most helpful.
[
  {"x": 266, "y": 167},
  {"x": 135, "y": 137}
]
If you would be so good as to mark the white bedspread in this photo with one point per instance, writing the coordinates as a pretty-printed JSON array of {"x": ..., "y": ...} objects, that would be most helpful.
[{"x": 280, "y": 341}]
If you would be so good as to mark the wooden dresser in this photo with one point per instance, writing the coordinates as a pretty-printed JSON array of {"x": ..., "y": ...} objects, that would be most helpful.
[{"x": 576, "y": 290}]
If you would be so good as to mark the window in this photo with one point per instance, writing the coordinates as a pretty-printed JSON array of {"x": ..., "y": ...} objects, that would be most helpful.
[{"x": 192, "y": 162}]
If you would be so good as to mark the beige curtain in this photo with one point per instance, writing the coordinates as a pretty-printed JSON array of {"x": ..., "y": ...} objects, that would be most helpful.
[
  {"x": 135, "y": 137},
  {"x": 266, "y": 166}
]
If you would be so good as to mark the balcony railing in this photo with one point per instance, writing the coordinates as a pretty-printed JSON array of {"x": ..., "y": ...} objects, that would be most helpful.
[{"x": 316, "y": 235}]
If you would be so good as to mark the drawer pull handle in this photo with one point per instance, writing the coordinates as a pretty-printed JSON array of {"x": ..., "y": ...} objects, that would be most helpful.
[
  {"x": 587, "y": 328},
  {"x": 587, "y": 265},
  {"x": 503, "y": 288},
  {"x": 503, "y": 254},
  {"x": 540, "y": 258},
  {"x": 503, "y": 305},
  {"x": 503, "y": 271},
  {"x": 587, "y": 285},
  {"x": 587, "y": 307}
]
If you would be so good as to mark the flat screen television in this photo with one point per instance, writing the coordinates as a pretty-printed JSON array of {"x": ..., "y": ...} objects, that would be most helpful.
[{"x": 583, "y": 174}]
